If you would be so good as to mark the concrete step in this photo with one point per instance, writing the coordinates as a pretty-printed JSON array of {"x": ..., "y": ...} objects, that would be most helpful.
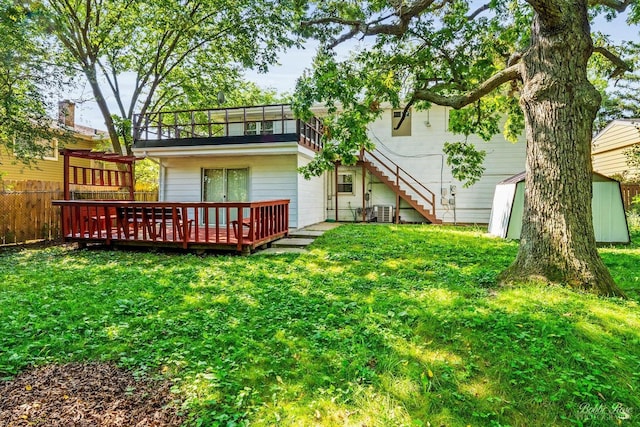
[
  {"x": 306, "y": 233},
  {"x": 292, "y": 242},
  {"x": 280, "y": 251}
]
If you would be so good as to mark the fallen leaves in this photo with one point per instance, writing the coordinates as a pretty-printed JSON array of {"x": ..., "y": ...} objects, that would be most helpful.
[{"x": 94, "y": 394}]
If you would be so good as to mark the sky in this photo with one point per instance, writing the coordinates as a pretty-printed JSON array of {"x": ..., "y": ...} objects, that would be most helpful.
[{"x": 292, "y": 64}]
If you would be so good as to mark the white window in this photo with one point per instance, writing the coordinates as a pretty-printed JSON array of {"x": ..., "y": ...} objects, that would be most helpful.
[
  {"x": 259, "y": 128},
  {"x": 251, "y": 128},
  {"x": 345, "y": 182},
  {"x": 267, "y": 127}
]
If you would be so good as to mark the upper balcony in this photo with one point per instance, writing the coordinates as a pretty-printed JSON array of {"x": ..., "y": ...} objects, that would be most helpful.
[{"x": 221, "y": 126}]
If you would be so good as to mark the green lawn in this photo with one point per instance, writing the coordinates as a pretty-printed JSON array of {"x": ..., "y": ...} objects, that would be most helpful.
[{"x": 375, "y": 326}]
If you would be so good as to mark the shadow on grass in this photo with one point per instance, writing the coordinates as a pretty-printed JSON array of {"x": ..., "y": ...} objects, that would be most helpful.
[{"x": 376, "y": 325}]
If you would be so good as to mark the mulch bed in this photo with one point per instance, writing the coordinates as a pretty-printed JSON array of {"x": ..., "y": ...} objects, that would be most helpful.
[{"x": 94, "y": 394}]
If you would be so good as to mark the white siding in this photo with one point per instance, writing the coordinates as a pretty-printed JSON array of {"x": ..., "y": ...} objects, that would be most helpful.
[
  {"x": 271, "y": 177},
  {"x": 311, "y": 197},
  {"x": 421, "y": 154},
  {"x": 348, "y": 203}
]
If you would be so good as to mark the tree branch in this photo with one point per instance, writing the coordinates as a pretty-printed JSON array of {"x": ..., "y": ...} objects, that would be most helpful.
[
  {"x": 459, "y": 101},
  {"x": 621, "y": 66},
  {"x": 619, "y": 6},
  {"x": 404, "y": 14},
  {"x": 478, "y": 11}
]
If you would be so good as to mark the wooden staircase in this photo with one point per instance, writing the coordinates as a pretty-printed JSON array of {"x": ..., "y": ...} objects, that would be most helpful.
[{"x": 402, "y": 183}]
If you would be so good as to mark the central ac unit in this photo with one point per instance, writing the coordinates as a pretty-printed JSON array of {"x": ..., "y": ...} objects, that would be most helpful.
[{"x": 384, "y": 213}]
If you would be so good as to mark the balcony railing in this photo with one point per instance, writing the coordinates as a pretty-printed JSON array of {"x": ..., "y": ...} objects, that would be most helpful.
[
  {"x": 260, "y": 122},
  {"x": 239, "y": 226}
]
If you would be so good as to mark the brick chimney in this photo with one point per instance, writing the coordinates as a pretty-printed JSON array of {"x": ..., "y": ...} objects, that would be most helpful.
[{"x": 66, "y": 113}]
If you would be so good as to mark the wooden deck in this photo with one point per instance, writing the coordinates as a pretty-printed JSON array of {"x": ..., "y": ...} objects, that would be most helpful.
[{"x": 231, "y": 226}]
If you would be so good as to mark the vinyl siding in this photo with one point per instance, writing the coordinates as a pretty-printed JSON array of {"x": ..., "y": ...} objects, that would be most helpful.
[
  {"x": 311, "y": 197},
  {"x": 43, "y": 169},
  {"x": 609, "y": 148},
  {"x": 421, "y": 155},
  {"x": 348, "y": 203},
  {"x": 270, "y": 177}
]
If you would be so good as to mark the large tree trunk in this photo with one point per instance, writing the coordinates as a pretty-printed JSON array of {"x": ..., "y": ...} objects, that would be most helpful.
[
  {"x": 557, "y": 241},
  {"x": 92, "y": 77}
]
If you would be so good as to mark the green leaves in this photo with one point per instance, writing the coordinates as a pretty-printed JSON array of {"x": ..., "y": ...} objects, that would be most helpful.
[
  {"x": 465, "y": 161},
  {"x": 621, "y": 99},
  {"x": 446, "y": 49},
  {"x": 179, "y": 54},
  {"x": 25, "y": 85}
]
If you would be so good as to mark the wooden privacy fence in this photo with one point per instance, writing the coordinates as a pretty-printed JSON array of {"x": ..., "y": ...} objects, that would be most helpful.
[
  {"x": 26, "y": 212},
  {"x": 629, "y": 191}
]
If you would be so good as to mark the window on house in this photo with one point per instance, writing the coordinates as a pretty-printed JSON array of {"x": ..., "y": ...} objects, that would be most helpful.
[
  {"x": 345, "y": 183},
  {"x": 251, "y": 128},
  {"x": 23, "y": 147},
  {"x": 259, "y": 128},
  {"x": 405, "y": 127},
  {"x": 267, "y": 127}
]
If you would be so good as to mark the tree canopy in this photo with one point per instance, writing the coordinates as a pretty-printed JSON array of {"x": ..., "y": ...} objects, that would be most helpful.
[
  {"x": 526, "y": 60},
  {"x": 621, "y": 96},
  {"x": 25, "y": 83},
  {"x": 160, "y": 45}
]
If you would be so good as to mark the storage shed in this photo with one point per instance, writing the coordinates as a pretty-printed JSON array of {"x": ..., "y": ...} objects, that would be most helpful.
[{"x": 609, "y": 219}]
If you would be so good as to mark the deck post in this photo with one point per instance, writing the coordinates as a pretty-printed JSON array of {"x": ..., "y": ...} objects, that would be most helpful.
[
  {"x": 131, "y": 183},
  {"x": 364, "y": 194},
  {"x": 335, "y": 187},
  {"x": 67, "y": 192},
  {"x": 286, "y": 218},
  {"x": 240, "y": 231},
  {"x": 107, "y": 224},
  {"x": 185, "y": 228}
]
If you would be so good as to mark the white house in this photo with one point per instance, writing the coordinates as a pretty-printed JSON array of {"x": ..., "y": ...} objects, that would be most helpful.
[{"x": 253, "y": 153}]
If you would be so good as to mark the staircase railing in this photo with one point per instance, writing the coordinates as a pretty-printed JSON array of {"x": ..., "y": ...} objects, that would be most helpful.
[{"x": 402, "y": 178}]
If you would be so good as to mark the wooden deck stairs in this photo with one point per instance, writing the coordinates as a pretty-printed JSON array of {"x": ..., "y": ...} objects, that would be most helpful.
[{"x": 402, "y": 183}]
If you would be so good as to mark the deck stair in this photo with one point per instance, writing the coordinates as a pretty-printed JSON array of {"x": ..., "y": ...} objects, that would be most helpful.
[{"x": 403, "y": 184}]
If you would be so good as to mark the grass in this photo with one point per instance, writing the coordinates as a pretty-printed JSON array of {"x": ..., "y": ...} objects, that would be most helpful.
[{"x": 376, "y": 326}]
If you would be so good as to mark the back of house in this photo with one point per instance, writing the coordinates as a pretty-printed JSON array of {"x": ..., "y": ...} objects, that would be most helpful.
[{"x": 254, "y": 153}]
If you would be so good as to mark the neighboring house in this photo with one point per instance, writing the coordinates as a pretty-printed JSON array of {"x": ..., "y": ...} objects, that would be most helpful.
[
  {"x": 50, "y": 167},
  {"x": 253, "y": 154},
  {"x": 609, "y": 147}
]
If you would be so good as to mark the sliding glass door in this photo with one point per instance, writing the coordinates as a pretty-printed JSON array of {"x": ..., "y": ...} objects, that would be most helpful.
[{"x": 225, "y": 185}]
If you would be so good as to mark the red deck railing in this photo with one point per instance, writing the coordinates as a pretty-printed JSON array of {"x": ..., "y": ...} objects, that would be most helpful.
[{"x": 241, "y": 226}]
